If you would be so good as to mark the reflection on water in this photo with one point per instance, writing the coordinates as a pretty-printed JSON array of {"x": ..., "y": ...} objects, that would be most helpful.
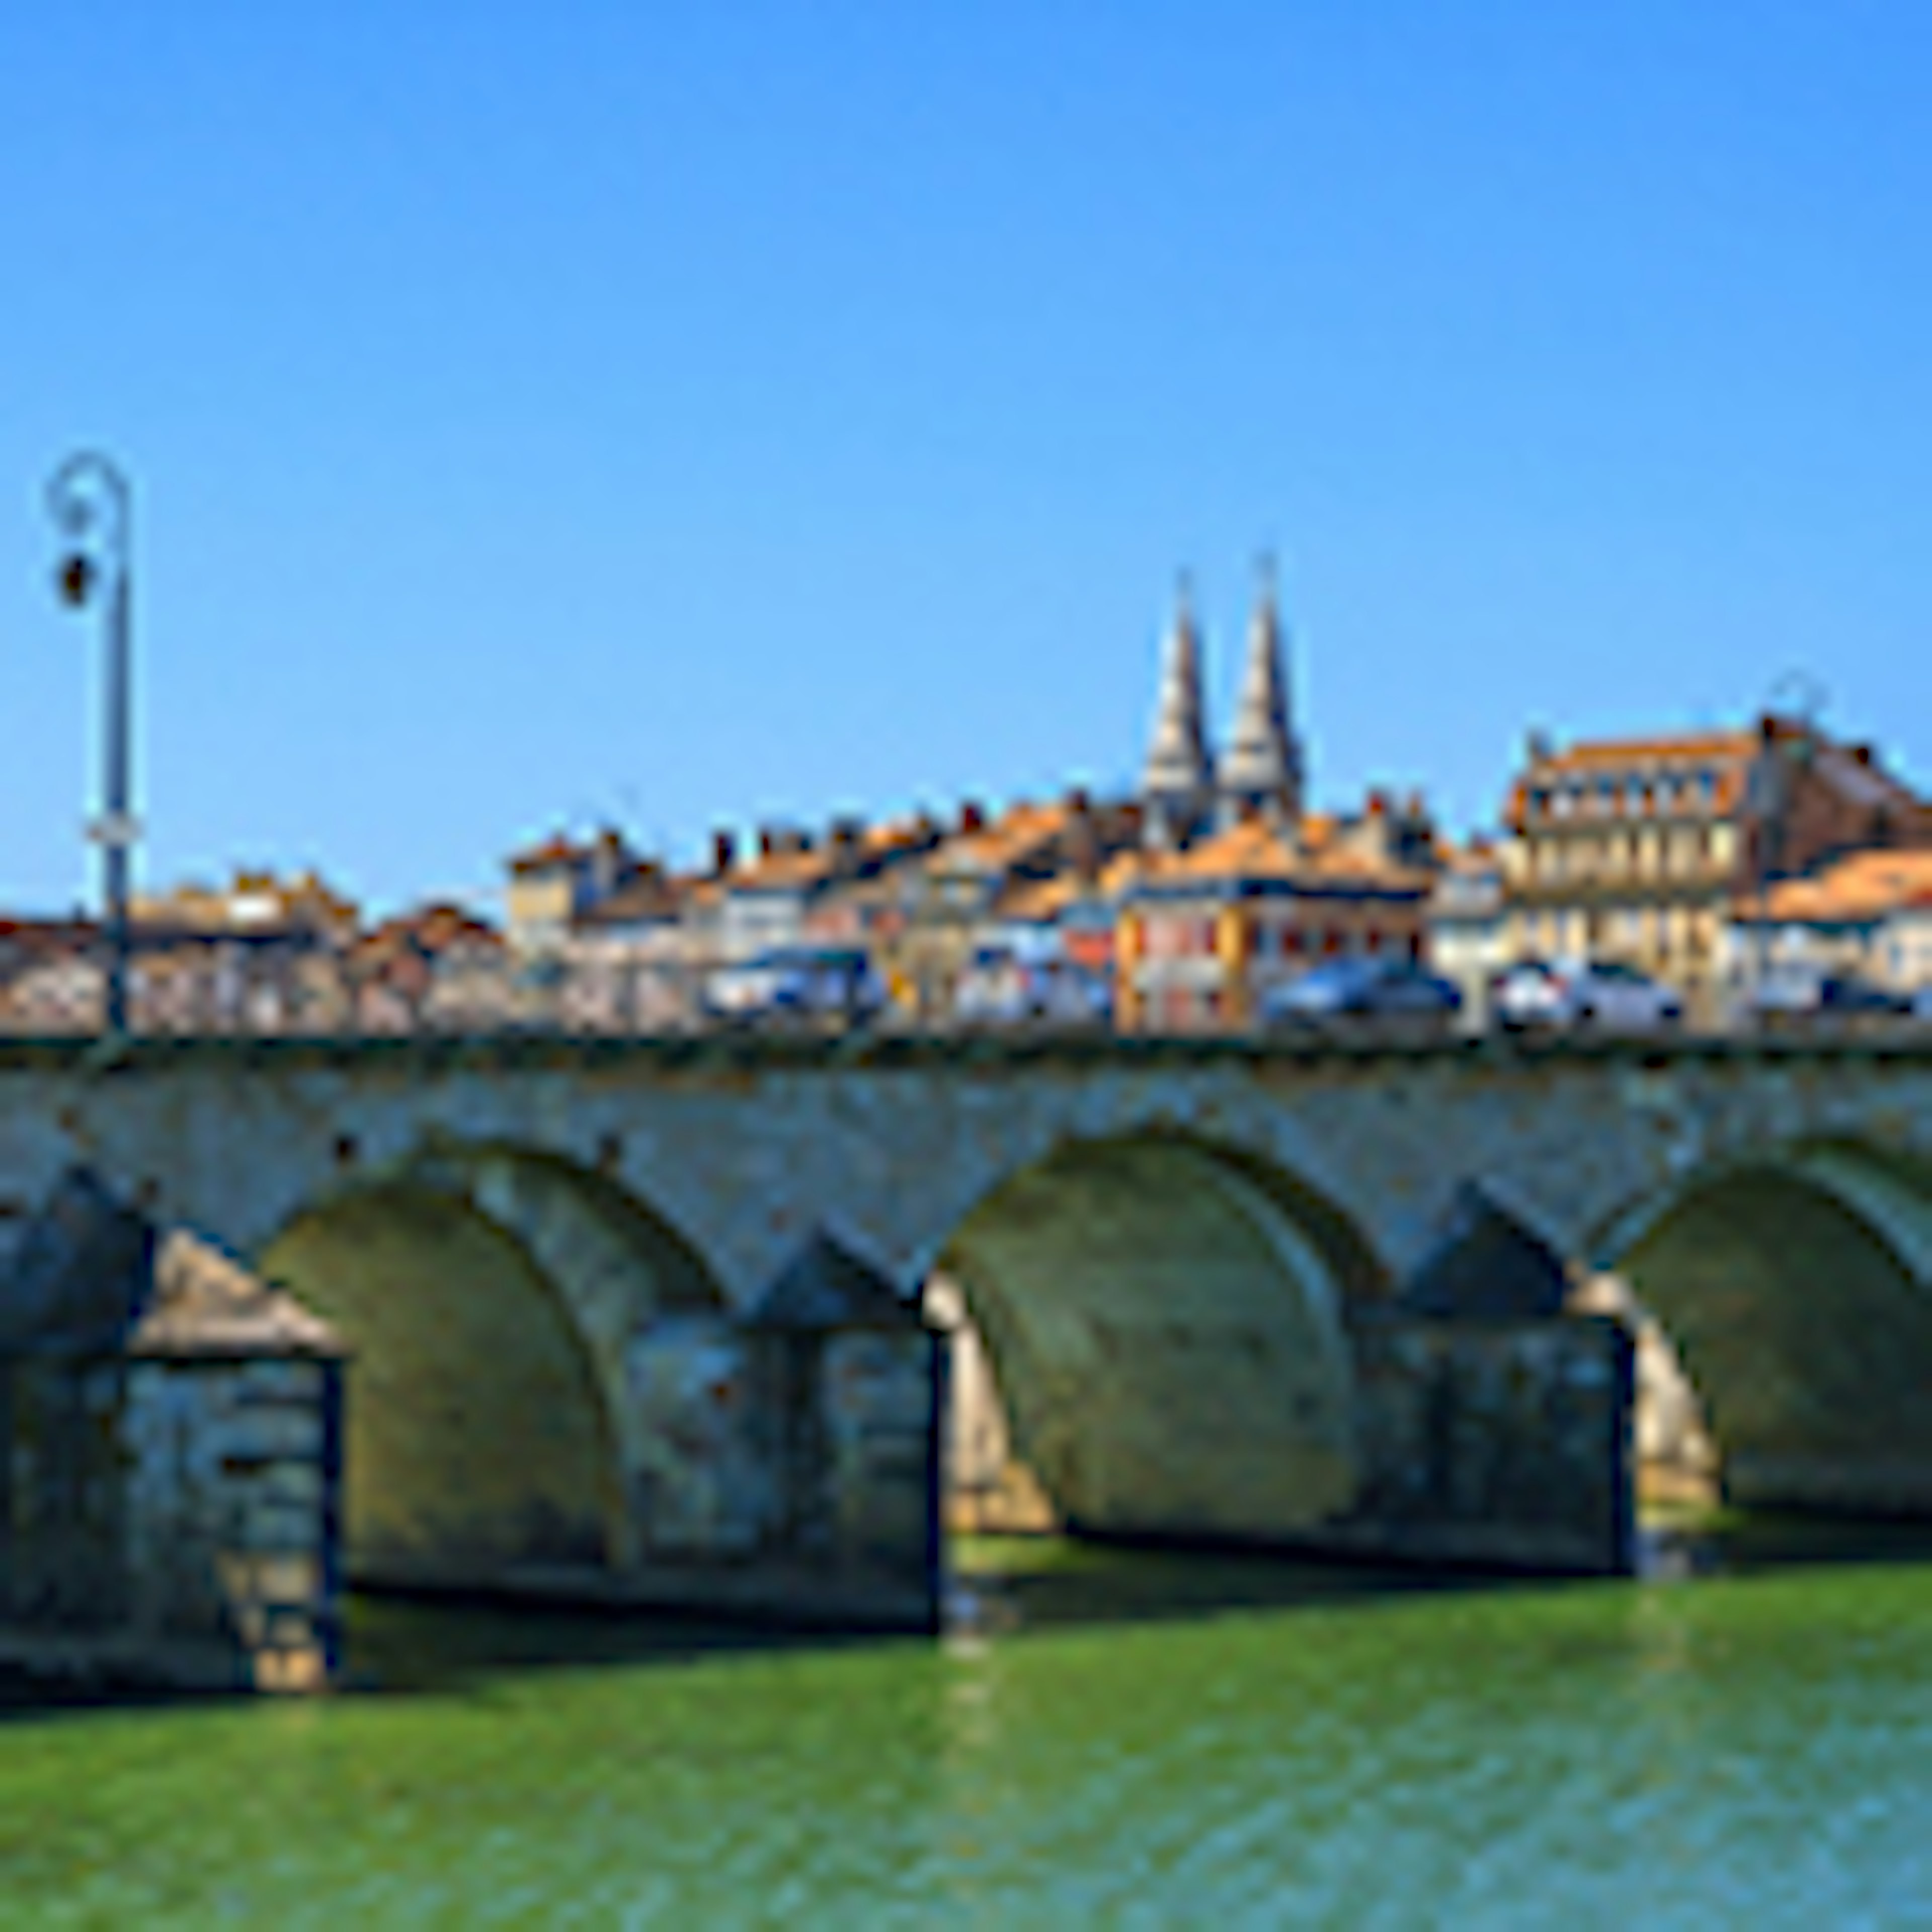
[{"x": 1106, "y": 1738}]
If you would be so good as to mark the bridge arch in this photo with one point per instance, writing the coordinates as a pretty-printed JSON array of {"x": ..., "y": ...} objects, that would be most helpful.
[
  {"x": 492, "y": 1295},
  {"x": 1166, "y": 1320},
  {"x": 1796, "y": 1285}
]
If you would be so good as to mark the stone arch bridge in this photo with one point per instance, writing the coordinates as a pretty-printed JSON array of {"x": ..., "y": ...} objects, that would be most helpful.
[{"x": 1170, "y": 1247}]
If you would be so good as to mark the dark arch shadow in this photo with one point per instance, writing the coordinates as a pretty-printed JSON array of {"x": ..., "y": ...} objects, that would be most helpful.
[
  {"x": 1803, "y": 1329},
  {"x": 478, "y": 1440},
  {"x": 1166, "y": 1325}
]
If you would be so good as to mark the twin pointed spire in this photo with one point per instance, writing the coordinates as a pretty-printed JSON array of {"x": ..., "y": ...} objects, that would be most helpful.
[
  {"x": 1178, "y": 766},
  {"x": 1262, "y": 769}
]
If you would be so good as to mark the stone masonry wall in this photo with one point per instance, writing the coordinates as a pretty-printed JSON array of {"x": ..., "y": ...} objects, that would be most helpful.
[
  {"x": 232, "y": 1477},
  {"x": 1493, "y": 1443},
  {"x": 170, "y": 1521}
]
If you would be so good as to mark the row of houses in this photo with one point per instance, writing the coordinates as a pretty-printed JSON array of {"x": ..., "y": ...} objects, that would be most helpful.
[
  {"x": 1179, "y": 937},
  {"x": 261, "y": 955},
  {"x": 1699, "y": 857},
  {"x": 1702, "y": 858}
]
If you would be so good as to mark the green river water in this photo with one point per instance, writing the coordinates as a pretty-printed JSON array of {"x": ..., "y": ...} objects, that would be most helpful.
[{"x": 1115, "y": 1739}]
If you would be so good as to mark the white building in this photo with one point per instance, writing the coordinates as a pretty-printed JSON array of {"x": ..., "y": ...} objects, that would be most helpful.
[
  {"x": 1466, "y": 927},
  {"x": 1868, "y": 913}
]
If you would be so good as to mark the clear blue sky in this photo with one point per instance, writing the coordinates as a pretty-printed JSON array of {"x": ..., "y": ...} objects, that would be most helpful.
[{"x": 694, "y": 413}]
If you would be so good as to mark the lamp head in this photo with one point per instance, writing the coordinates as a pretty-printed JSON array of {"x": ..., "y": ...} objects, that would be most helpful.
[{"x": 75, "y": 579}]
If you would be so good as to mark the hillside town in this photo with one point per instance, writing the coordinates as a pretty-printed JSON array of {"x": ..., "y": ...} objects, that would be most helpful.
[{"x": 1713, "y": 878}]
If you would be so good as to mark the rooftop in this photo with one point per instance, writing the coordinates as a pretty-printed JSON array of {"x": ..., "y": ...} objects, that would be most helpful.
[
  {"x": 1861, "y": 886},
  {"x": 1256, "y": 850}
]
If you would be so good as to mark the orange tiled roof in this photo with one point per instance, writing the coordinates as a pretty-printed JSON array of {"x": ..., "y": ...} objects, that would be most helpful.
[
  {"x": 1046, "y": 898},
  {"x": 1860, "y": 886},
  {"x": 906, "y": 834},
  {"x": 781, "y": 869},
  {"x": 1256, "y": 849},
  {"x": 1663, "y": 747},
  {"x": 1665, "y": 754},
  {"x": 556, "y": 849},
  {"x": 698, "y": 890},
  {"x": 1018, "y": 830},
  {"x": 432, "y": 927},
  {"x": 1476, "y": 854},
  {"x": 255, "y": 898}
]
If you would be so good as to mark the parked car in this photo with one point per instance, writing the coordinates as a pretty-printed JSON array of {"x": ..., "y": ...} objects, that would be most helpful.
[
  {"x": 1796, "y": 993},
  {"x": 827, "y": 985},
  {"x": 1360, "y": 988},
  {"x": 1010, "y": 985},
  {"x": 1583, "y": 993}
]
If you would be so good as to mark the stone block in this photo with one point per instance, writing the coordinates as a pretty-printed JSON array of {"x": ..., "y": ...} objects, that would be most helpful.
[{"x": 272, "y": 1435}]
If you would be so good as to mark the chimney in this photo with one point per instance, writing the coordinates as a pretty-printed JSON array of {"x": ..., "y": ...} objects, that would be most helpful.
[
  {"x": 1866, "y": 754},
  {"x": 972, "y": 816},
  {"x": 781, "y": 840},
  {"x": 845, "y": 837},
  {"x": 1539, "y": 747},
  {"x": 607, "y": 867},
  {"x": 723, "y": 852},
  {"x": 1083, "y": 835}
]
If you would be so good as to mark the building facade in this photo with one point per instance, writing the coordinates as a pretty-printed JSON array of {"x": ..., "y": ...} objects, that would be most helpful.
[
  {"x": 1869, "y": 913},
  {"x": 1640, "y": 849},
  {"x": 1466, "y": 922},
  {"x": 1203, "y": 933}
]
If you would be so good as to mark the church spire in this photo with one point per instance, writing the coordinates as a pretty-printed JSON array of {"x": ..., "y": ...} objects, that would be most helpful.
[
  {"x": 1262, "y": 769},
  {"x": 1178, "y": 778}
]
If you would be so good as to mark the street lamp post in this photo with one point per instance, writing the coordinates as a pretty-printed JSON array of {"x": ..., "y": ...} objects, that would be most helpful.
[{"x": 91, "y": 504}]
